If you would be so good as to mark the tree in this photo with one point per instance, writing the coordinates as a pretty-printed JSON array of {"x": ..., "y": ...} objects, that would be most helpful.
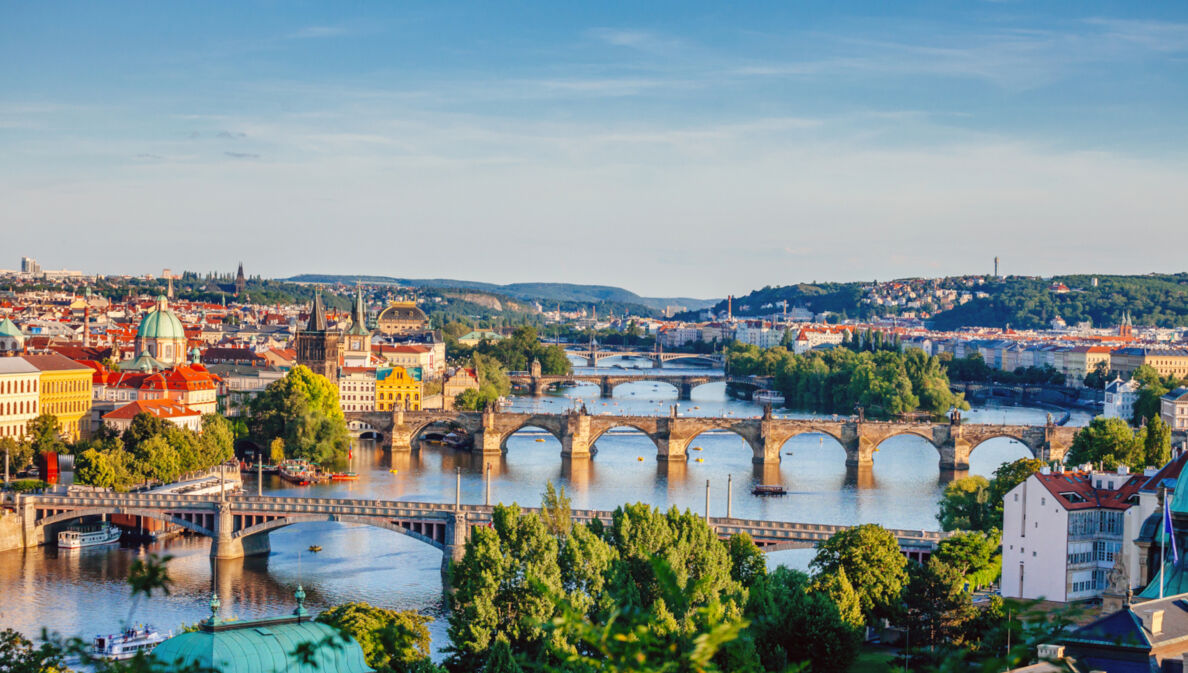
[
  {"x": 276, "y": 450},
  {"x": 216, "y": 443},
  {"x": 1152, "y": 387},
  {"x": 555, "y": 510},
  {"x": 791, "y": 622},
  {"x": 966, "y": 505},
  {"x": 870, "y": 556},
  {"x": 156, "y": 460},
  {"x": 1109, "y": 442},
  {"x": 1156, "y": 442},
  {"x": 935, "y": 604},
  {"x": 303, "y": 409},
  {"x": 974, "y": 555},
  {"x": 1007, "y": 477},
  {"x": 841, "y": 592},
  {"x": 94, "y": 468},
  {"x": 20, "y": 454},
  {"x": 1099, "y": 377},
  {"x": 747, "y": 562},
  {"x": 44, "y": 435},
  {"x": 392, "y": 641}
]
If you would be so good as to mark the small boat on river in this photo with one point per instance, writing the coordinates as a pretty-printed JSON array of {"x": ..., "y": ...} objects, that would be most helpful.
[
  {"x": 88, "y": 535},
  {"x": 344, "y": 476},
  {"x": 315, "y": 548},
  {"x": 125, "y": 645},
  {"x": 768, "y": 489}
]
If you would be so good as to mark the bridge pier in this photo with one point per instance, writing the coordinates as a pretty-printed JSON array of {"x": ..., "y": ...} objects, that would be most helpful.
[
  {"x": 575, "y": 437},
  {"x": 607, "y": 389},
  {"x": 538, "y": 386},
  {"x": 686, "y": 391},
  {"x": 954, "y": 454},
  {"x": 457, "y": 532},
  {"x": 858, "y": 444}
]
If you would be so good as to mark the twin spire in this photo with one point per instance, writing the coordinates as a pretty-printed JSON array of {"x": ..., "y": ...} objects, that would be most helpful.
[{"x": 317, "y": 315}]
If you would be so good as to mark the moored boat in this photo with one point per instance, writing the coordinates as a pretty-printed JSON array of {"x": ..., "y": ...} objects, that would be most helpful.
[
  {"x": 88, "y": 535},
  {"x": 769, "y": 489},
  {"x": 344, "y": 476}
]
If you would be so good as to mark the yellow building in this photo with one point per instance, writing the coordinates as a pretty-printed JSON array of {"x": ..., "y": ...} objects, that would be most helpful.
[
  {"x": 397, "y": 388},
  {"x": 65, "y": 392}
]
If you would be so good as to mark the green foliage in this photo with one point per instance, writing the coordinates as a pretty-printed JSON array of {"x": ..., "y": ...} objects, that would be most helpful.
[
  {"x": 1099, "y": 377},
  {"x": 966, "y": 505},
  {"x": 973, "y": 367},
  {"x": 27, "y": 485},
  {"x": 44, "y": 435},
  {"x": 747, "y": 563},
  {"x": 392, "y": 641},
  {"x": 493, "y": 384},
  {"x": 791, "y": 622},
  {"x": 975, "y": 556},
  {"x": 20, "y": 454},
  {"x": 627, "y": 640},
  {"x": 869, "y": 554},
  {"x": 152, "y": 449},
  {"x": 519, "y": 350},
  {"x": 276, "y": 450},
  {"x": 936, "y": 606},
  {"x": 555, "y": 510},
  {"x": 1110, "y": 442},
  {"x": 302, "y": 409},
  {"x": 884, "y": 383}
]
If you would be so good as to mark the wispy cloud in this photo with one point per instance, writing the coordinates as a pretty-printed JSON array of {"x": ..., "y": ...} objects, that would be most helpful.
[
  {"x": 642, "y": 40},
  {"x": 242, "y": 155}
]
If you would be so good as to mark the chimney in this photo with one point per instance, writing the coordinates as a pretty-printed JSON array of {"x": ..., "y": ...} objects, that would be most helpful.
[
  {"x": 1050, "y": 652},
  {"x": 1153, "y": 621}
]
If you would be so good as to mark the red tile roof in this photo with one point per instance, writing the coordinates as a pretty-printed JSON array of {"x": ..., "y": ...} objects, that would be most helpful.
[
  {"x": 1061, "y": 483},
  {"x": 158, "y": 408}
]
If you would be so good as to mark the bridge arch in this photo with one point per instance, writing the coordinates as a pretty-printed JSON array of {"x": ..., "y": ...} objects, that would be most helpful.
[
  {"x": 614, "y": 424},
  {"x": 824, "y": 452},
  {"x": 756, "y": 447},
  {"x": 907, "y": 432},
  {"x": 159, "y": 515},
  {"x": 1016, "y": 448},
  {"x": 529, "y": 423},
  {"x": 282, "y": 522}
]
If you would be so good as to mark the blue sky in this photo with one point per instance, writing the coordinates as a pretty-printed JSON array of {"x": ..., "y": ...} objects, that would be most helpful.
[{"x": 687, "y": 148}]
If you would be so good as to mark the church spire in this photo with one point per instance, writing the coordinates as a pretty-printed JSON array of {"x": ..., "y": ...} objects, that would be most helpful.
[
  {"x": 317, "y": 315},
  {"x": 358, "y": 315}
]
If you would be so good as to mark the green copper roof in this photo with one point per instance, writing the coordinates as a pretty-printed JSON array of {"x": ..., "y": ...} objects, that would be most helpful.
[
  {"x": 160, "y": 323},
  {"x": 263, "y": 646},
  {"x": 1179, "y": 501},
  {"x": 143, "y": 363},
  {"x": 7, "y": 328}
]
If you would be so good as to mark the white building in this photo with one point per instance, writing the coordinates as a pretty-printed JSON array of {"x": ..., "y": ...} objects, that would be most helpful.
[
  {"x": 1061, "y": 531},
  {"x": 356, "y": 389},
  {"x": 19, "y": 392},
  {"x": 178, "y": 414},
  {"x": 675, "y": 337},
  {"x": 758, "y": 333},
  {"x": 1120, "y": 397},
  {"x": 1173, "y": 407},
  {"x": 811, "y": 337}
]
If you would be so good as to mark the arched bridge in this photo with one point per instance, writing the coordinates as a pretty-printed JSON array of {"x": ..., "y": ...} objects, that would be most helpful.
[
  {"x": 578, "y": 431},
  {"x": 658, "y": 358},
  {"x": 539, "y": 383},
  {"x": 239, "y": 525}
]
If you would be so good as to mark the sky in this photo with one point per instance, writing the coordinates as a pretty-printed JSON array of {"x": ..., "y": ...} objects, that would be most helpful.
[{"x": 672, "y": 148}]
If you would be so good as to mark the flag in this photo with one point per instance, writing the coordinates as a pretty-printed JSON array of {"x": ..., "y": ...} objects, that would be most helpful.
[{"x": 1168, "y": 532}]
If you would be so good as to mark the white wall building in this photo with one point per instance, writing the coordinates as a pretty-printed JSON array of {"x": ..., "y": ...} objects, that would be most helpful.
[
  {"x": 1174, "y": 409},
  {"x": 356, "y": 389},
  {"x": 19, "y": 393},
  {"x": 1061, "y": 531},
  {"x": 1120, "y": 397}
]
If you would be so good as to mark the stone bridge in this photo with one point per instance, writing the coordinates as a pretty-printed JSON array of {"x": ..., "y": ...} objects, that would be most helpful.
[
  {"x": 539, "y": 383},
  {"x": 578, "y": 431},
  {"x": 658, "y": 358},
  {"x": 239, "y": 525}
]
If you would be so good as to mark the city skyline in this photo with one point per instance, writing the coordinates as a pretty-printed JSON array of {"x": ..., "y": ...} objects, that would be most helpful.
[{"x": 673, "y": 152}]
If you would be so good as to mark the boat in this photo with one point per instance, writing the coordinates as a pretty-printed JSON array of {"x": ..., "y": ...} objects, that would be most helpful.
[
  {"x": 540, "y": 439},
  {"x": 697, "y": 448},
  {"x": 315, "y": 548},
  {"x": 639, "y": 458},
  {"x": 768, "y": 489},
  {"x": 88, "y": 535},
  {"x": 768, "y": 397},
  {"x": 699, "y": 460},
  {"x": 118, "y": 646},
  {"x": 300, "y": 473},
  {"x": 344, "y": 476}
]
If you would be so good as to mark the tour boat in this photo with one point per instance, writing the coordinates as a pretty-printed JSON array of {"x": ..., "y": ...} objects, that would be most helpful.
[
  {"x": 125, "y": 645},
  {"x": 344, "y": 476},
  {"x": 768, "y": 489},
  {"x": 768, "y": 397},
  {"x": 88, "y": 535}
]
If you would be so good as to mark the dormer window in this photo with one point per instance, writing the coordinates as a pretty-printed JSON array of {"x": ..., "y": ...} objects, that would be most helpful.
[{"x": 1072, "y": 497}]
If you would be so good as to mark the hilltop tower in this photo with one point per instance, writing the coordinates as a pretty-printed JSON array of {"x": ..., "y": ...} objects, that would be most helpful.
[
  {"x": 240, "y": 281},
  {"x": 319, "y": 347}
]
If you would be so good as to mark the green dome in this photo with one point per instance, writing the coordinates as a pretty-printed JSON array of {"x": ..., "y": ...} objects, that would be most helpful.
[
  {"x": 160, "y": 323},
  {"x": 7, "y": 328},
  {"x": 263, "y": 646}
]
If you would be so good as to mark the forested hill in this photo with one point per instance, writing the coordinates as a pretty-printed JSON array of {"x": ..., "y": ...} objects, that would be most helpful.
[
  {"x": 542, "y": 292},
  {"x": 1021, "y": 302},
  {"x": 1159, "y": 300}
]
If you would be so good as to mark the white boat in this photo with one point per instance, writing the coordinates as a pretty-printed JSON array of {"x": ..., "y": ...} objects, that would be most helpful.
[
  {"x": 768, "y": 397},
  {"x": 125, "y": 645},
  {"x": 88, "y": 535}
]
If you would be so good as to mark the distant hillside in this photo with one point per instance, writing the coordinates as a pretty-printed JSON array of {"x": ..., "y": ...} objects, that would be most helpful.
[
  {"x": 543, "y": 292},
  {"x": 1020, "y": 302}
]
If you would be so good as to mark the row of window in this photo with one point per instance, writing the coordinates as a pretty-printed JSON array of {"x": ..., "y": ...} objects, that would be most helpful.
[
  {"x": 11, "y": 387},
  {"x": 22, "y": 407},
  {"x": 1094, "y": 522},
  {"x": 74, "y": 386}
]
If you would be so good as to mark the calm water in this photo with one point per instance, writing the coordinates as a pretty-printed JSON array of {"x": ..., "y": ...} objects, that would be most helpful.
[{"x": 84, "y": 592}]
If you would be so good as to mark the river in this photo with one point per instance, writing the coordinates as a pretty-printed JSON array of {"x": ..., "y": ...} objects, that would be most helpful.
[{"x": 85, "y": 592}]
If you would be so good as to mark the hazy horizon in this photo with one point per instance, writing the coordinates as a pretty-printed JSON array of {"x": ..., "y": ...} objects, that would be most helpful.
[{"x": 672, "y": 149}]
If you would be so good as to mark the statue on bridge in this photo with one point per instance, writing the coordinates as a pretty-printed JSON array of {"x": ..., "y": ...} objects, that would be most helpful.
[{"x": 954, "y": 416}]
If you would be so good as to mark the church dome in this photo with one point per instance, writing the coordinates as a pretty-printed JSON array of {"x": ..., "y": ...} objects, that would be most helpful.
[
  {"x": 160, "y": 323},
  {"x": 263, "y": 646}
]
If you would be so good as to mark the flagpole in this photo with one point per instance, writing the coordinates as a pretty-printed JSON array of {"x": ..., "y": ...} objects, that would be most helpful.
[{"x": 1163, "y": 543}]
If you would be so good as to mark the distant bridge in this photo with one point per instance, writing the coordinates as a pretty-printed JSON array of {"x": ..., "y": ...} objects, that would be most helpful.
[
  {"x": 577, "y": 431},
  {"x": 239, "y": 525},
  {"x": 658, "y": 358},
  {"x": 538, "y": 383}
]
